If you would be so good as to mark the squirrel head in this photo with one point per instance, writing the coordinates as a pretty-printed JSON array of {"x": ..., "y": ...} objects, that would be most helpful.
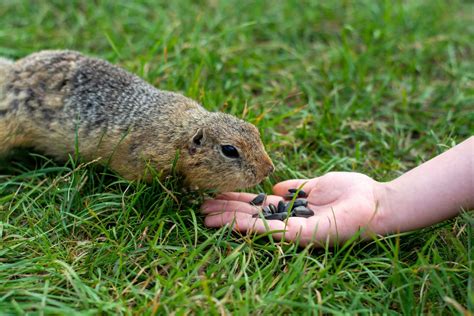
[{"x": 225, "y": 154}]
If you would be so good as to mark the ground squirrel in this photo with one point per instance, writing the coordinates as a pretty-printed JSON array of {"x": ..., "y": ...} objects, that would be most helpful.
[{"x": 60, "y": 101}]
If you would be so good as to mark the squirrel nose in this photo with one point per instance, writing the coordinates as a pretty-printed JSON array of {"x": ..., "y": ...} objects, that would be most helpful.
[{"x": 270, "y": 169}]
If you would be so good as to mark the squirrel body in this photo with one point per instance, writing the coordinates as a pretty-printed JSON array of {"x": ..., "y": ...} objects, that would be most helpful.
[{"x": 59, "y": 102}]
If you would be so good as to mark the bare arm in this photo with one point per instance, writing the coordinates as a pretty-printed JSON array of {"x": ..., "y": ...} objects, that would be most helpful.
[
  {"x": 345, "y": 202},
  {"x": 430, "y": 193}
]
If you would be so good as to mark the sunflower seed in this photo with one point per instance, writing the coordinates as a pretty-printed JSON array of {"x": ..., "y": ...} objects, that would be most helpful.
[
  {"x": 302, "y": 211},
  {"x": 302, "y": 194},
  {"x": 279, "y": 216},
  {"x": 266, "y": 210},
  {"x": 273, "y": 208},
  {"x": 282, "y": 208},
  {"x": 300, "y": 202},
  {"x": 280, "y": 212},
  {"x": 259, "y": 199}
]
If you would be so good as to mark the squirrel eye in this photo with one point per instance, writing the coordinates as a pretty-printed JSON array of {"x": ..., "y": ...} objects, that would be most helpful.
[{"x": 230, "y": 151}]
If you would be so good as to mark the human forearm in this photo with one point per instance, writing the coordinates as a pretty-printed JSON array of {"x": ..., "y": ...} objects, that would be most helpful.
[{"x": 430, "y": 193}]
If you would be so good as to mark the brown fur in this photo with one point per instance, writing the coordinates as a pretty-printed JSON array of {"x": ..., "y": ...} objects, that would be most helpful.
[{"x": 57, "y": 100}]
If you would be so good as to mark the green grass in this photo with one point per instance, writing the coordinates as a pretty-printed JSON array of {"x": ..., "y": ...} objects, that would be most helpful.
[{"x": 370, "y": 86}]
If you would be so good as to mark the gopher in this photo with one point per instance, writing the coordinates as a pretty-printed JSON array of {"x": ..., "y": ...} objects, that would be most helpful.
[{"x": 61, "y": 102}]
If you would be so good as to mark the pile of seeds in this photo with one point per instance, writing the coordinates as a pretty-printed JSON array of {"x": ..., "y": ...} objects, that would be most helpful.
[{"x": 297, "y": 206}]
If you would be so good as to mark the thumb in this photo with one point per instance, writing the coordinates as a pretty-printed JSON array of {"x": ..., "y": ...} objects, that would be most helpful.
[{"x": 283, "y": 187}]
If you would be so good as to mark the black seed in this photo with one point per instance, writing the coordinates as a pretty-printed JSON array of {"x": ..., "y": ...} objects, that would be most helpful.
[
  {"x": 288, "y": 196},
  {"x": 290, "y": 206},
  {"x": 279, "y": 216},
  {"x": 273, "y": 208},
  {"x": 301, "y": 193},
  {"x": 302, "y": 211},
  {"x": 266, "y": 210},
  {"x": 300, "y": 202},
  {"x": 258, "y": 200},
  {"x": 281, "y": 207}
]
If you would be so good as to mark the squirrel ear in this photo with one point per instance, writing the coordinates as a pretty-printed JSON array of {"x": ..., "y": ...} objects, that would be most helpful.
[
  {"x": 196, "y": 141},
  {"x": 198, "y": 138}
]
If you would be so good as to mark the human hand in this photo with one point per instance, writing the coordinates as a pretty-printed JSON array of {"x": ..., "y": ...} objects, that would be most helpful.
[{"x": 343, "y": 203}]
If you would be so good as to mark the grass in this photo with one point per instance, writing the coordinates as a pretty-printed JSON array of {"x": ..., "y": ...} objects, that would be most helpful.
[{"x": 370, "y": 86}]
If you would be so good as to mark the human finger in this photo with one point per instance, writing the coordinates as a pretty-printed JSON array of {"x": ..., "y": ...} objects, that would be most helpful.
[
  {"x": 294, "y": 229},
  {"x": 224, "y": 205},
  {"x": 247, "y": 197},
  {"x": 243, "y": 222},
  {"x": 236, "y": 196}
]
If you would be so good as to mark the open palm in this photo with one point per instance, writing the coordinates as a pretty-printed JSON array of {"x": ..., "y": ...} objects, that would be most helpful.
[{"x": 343, "y": 203}]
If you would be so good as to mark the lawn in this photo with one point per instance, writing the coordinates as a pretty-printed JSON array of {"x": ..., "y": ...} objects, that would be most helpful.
[{"x": 370, "y": 86}]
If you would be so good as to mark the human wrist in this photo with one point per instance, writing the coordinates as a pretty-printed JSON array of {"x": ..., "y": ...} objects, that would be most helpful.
[{"x": 385, "y": 219}]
